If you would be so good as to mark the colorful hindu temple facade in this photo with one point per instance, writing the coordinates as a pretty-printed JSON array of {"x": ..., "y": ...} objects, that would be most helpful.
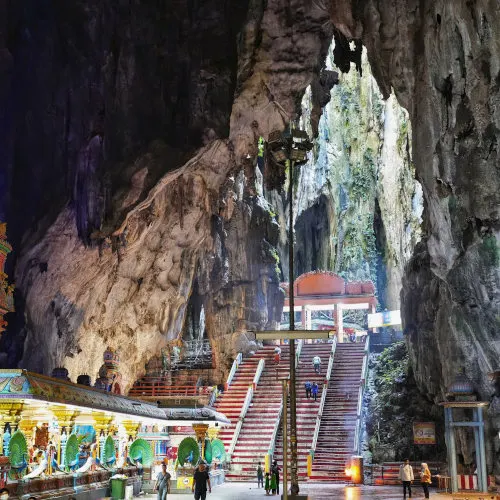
[
  {"x": 60, "y": 438},
  {"x": 6, "y": 289}
]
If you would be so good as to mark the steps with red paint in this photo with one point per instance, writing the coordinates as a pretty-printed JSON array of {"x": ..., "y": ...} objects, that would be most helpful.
[
  {"x": 258, "y": 425},
  {"x": 338, "y": 424},
  {"x": 231, "y": 400},
  {"x": 307, "y": 409}
]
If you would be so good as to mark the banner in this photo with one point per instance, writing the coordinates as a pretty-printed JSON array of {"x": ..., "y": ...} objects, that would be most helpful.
[
  {"x": 424, "y": 433},
  {"x": 385, "y": 318}
]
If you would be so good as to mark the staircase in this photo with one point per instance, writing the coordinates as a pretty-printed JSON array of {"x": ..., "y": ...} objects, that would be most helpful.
[
  {"x": 258, "y": 425},
  {"x": 338, "y": 424},
  {"x": 307, "y": 409},
  {"x": 230, "y": 402}
]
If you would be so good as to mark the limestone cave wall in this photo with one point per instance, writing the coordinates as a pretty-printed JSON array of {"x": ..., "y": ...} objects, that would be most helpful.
[{"x": 130, "y": 133}]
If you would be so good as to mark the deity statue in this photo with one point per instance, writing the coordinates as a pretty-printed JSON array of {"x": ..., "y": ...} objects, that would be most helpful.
[{"x": 109, "y": 377}]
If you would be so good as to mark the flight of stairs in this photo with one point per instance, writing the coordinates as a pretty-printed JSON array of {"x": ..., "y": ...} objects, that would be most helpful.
[
  {"x": 307, "y": 409},
  {"x": 231, "y": 400},
  {"x": 259, "y": 422},
  {"x": 338, "y": 424}
]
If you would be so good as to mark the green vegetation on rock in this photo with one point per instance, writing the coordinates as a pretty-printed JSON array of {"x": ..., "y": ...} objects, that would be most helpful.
[{"x": 394, "y": 404}]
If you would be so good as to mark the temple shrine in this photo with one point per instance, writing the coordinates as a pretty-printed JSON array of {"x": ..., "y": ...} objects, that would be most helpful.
[
  {"x": 6, "y": 289},
  {"x": 326, "y": 291}
]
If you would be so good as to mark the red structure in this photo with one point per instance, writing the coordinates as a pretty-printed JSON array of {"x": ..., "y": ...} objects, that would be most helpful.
[
  {"x": 326, "y": 291},
  {"x": 6, "y": 290}
]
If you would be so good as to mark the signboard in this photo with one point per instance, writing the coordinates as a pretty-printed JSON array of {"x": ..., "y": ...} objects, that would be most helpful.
[
  {"x": 295, "y": 334},
  {"x": 385, "y": 318},
  {"x": 424, "y": 433}
]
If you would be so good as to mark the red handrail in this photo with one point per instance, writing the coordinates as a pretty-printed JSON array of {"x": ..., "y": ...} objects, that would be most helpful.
[{"x": 160, "y": 389}]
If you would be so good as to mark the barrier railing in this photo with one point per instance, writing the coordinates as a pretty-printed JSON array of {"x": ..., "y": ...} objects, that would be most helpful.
[
  {"x": 237, "y": 362},
  {"x": 258, "y": 372},
  {"x": 244, "y": 409},
  {"x": 152, "y": 389},
  {"x": 322, "y": 401},
  {"x": 361, "y": 393}
]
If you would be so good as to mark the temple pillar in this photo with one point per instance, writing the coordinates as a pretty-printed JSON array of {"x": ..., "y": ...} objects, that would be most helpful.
[
  {"x": 131, "y": 428},
  {"x": 101, "y": 426},
  {"x": 201, "y": 433},
  {"x": 339, "y": 322},
  {"x": 65, "y": 418},
  {"x": 213, "y": 433},
  {"x": 11, "y": 414}
]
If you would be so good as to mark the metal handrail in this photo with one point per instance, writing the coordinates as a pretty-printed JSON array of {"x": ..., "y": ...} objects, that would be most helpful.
[
  {"x": 298, "y": 351},
  {"x": 361, "y": 393},
  {"x": 274, "y": 435},
  {"x": 258, "y": 372},
  {"x": 236, "y": 363},
  {"x": 244, "y": 409},
  {"x": 323, "y": 398}
]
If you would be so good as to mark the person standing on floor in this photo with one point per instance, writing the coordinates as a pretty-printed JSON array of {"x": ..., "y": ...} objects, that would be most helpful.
[
  {"x": 201, "y": 479},
  {"x": 275, "y": 473},
  {"x": 425, "y": 479},
  {"x": 406, "y": 477},
  {"x": 317, "y": 364},
  {"x": 314, "y": 390},
  {"x": 162, "y": 483},
  {"x": 268, "y": 483},
  {"x": 307, "y": 386},
  {"x": 260, "y": 476}
]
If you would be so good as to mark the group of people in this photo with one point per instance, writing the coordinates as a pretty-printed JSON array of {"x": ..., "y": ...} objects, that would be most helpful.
[
  {"x": 201, "y": 482},
  {"x": 311, "y": 390},
  {"x": 272, "y": 479},
  {"x": 406, "y": 477}
]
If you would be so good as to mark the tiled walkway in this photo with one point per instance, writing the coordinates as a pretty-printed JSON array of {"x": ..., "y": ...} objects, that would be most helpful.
[{"x": 242, "y": 491}]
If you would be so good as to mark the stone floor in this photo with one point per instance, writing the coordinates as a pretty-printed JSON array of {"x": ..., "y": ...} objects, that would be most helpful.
[{"x": 242, "y": 491}]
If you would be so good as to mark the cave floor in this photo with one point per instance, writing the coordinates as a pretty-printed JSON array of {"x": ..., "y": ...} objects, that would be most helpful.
[{"x": 241, "y": 491}]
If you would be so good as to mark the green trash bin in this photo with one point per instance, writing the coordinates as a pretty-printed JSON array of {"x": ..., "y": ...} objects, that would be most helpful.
[{"x": 118, "y": 488}]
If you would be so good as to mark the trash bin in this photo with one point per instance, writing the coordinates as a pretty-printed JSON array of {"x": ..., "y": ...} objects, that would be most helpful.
[{"x": 118, "y": 488}]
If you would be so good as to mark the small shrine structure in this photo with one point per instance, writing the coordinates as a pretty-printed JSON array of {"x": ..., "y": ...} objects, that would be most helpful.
[
  {"x": 326, "y": 291},
  {"x": 461, "y": 396},
  {"x": 6, "y": 289}
]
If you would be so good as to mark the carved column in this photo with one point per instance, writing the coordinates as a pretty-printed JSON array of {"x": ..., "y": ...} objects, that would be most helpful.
[{"x": 201, "y": 433}]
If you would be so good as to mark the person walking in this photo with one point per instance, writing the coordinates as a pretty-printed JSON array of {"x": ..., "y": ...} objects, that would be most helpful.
[
  {"x": 314, "y": 390},
  {"x": 317, "y": 364},
  {"x": 201, "y": 479},
  {"x": 162, "y": 483},
  {"x": 268, "y": 483},
  {"x": 260, "y": 476},
  {"x": 425, "y": 479},
  {"x": 275, "y": 473},
  {"x": 307, "y": 386},
  {"x": 406, "y": 477}
]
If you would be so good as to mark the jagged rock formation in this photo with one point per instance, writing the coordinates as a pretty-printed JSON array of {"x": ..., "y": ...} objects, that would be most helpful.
[{"x": 154, "y": 85}]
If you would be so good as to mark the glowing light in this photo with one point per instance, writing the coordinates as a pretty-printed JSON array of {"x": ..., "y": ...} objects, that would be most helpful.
[{"x": 348, "y": 472}]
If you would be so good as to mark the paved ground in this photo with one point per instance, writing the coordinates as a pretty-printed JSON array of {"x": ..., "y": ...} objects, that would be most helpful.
[{"x": 242, "y": 491}]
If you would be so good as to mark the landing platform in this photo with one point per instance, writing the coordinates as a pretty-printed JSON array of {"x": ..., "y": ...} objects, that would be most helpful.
[{"x": 242, "y": 491}]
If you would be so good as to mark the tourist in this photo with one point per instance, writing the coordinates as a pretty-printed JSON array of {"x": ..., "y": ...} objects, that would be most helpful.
[
  {"x": 268, "y": 483},
  {"x": 4, "y": 494},
  {"x": 314, "y": 390},
  {"x": 275, "y": 478},
  {"x": 260, "y": 476},
  {"x": 307, "y": 385},
  {"x": 406, "y": 477},
  {"x": 201, "y": 479},
  {"x": 317, "y": 364},
  {"x": 162, "y": 483},
  {"x": 425, "y": 479}
]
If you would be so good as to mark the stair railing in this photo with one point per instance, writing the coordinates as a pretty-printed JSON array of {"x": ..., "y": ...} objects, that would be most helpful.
[
  {"x": 321, "y": 405},
  {"x": 244, "y": 409},
  {"x": 298, "y": 350},
  {"x": 236, "y": 363},
  {"x": 258, "y": 373},
  {"x": 361, "y": 393}
]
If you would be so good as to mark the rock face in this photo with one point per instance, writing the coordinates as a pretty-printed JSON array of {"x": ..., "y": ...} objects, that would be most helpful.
[{"x": 108, "y": 105}]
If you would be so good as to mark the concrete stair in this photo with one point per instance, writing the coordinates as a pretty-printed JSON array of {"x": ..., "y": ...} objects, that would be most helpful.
[
  {"x": 307, "y": 409},
  {"x": 258, "y": 425},
  {"x": 338, "y": 424},
  {"x": 231, "y": 400}
]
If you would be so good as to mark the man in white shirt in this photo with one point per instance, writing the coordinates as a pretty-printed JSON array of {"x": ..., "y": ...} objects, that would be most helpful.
[
  {"x": 406, "y": 476},
  {"x": 317, "y": 364}
]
